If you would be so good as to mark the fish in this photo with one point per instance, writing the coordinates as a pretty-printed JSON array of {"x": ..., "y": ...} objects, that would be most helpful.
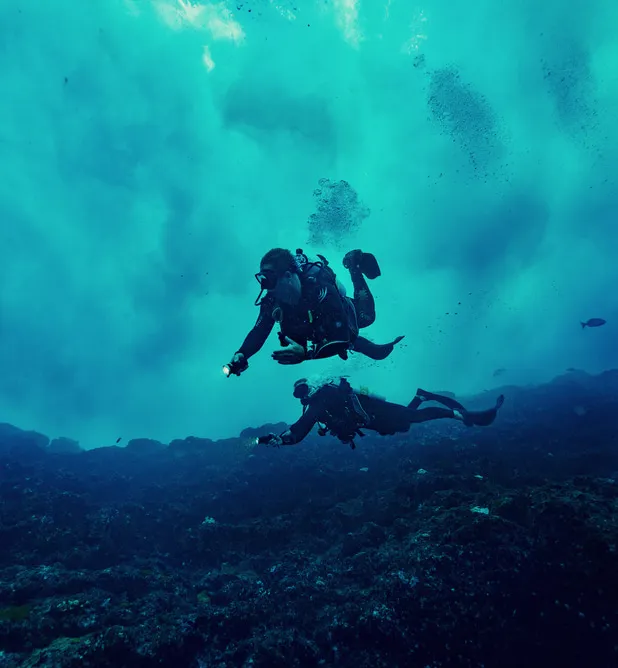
[
  {"x": 499, "y": 372},
  {"x": 593, "y": 322}
]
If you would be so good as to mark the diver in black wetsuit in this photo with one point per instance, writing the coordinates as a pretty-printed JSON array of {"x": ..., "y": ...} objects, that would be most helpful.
[
  {"x": 316, "y": 318},
  {"x": 344, "y": 412}
]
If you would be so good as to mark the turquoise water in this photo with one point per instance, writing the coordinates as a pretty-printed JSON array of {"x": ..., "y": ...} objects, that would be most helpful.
[{"x": 151, "y": 152}]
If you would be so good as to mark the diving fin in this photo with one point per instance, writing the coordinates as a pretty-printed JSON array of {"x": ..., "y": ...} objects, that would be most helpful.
[
  {"x": 365, "y": 262},
  {"x": 482, "y": 418},
  {"x": 369, "y": 266},
  {"x": 375, "y": 351}
]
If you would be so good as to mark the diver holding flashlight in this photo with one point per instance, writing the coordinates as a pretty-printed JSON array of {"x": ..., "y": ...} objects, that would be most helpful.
[
  {"x": 340, "y": 410},
  {"x": 316, "y": 317}
]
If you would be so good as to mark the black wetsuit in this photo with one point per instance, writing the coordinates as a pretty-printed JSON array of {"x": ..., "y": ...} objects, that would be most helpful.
[
  {"x": 345, "y": 413},
  {"x": 321, "y": 316},
  {"x": 363, "y": 301}
]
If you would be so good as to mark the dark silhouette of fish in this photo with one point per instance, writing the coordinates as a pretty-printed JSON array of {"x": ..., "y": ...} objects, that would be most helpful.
[
  {"x": 499, "y": 372},
  {"x": 593, "y": 322}
]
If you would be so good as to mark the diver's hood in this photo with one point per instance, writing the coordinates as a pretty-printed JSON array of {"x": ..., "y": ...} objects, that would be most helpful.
[
  {"x": 301, "y": 388},
  {"x": 304, "y": 389}
]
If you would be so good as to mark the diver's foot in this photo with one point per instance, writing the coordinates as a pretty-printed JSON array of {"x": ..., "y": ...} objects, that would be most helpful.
[
  {"x": 366, "y": 263},
  {"x": 419, "y": 397},
  {"x": 430, "y": 396},
  {"x": 422, "y": 394}
]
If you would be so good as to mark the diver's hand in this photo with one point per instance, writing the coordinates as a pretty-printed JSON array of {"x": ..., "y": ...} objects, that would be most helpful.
[
  {"x": 238, "y": 364},
  {"x": 293, "y": 354},
  {"x": 270, "y": 439}
]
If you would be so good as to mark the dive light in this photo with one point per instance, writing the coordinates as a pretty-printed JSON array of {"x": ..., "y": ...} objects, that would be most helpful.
[{"x": 234, "y": 367}]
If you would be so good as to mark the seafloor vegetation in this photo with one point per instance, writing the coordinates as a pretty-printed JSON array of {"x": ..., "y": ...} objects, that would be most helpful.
[{"x": 445, "y": 547}]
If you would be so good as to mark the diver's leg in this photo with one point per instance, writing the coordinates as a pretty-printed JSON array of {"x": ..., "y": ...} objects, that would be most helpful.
[
  {"x": 432, "y": 413},
  {"x": 457, "y": 411},
  {"x": 423, "y": 395},
  {"x": 360, "y": 265},
  {"x": 363, "y": 301}
]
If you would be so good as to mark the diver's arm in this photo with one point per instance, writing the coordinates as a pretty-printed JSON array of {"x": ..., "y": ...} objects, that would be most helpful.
[
  {"x": 301, "y": 428},
  {"x": 256, "y": 338},
  {"x": 294, "y": 435}
]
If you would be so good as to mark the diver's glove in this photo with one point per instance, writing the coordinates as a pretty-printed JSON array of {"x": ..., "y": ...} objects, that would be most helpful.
[
  {"x": 294, "y": 353},
  {"x": 238, "y": 364},
  {"x": 270, "y": 439}
]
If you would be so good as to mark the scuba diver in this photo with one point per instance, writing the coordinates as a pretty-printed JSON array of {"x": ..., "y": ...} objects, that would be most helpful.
[
  {"x": 316, "y": 317},
  {"x": 340, "y": 410}
]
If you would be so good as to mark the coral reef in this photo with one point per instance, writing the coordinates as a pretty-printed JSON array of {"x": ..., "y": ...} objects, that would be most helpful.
[{"x": 444, "y": 547}]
